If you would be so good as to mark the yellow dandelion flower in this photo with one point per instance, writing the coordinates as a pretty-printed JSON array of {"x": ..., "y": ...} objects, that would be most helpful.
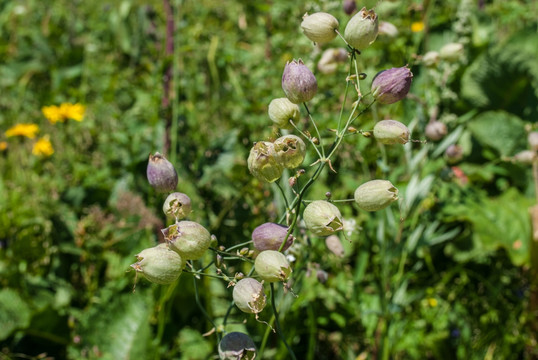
[
  {"x": 3, "y": 145},
  {"x": 43, "y": 147},
  {"x": 73, "y": 111},
  {"x": 417, "y": 26},
  {"x": 28, "y": 130},
  {"x": 432, "y": 302},
  {"x": 53, "y": 114}
]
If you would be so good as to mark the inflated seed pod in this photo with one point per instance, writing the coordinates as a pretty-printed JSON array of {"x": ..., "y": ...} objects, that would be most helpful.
[
  {"x": 249, "y": 296},
  {"x": 454, "y": 153},
  {"x": 375, "y": 195},
  {"x": 162, "y": 175},
  {"x": 392, "y": 85},
  {"x": 290, "y": 151},
  {"x": 322, "y": 218},
  {"x": 272, "y": 266},
  {"x": 159, "y": 264},
  {"x": 237, "y": 346},
  {"x": 263, "y": 162},
  {"x": 177, "y": 205},
  {"x": 320, "y": 27},
  {"x": 188, "y": 238},
  {"x": 435, "y": 130},
  {"x": 391, "y": 132},
  {"x": 532, "y": 138},
  {"x": 269, "y": 236},
  {"x": 525, "y": 157},
  {"x": 281, "y": 111},
  {"x": 334, "y": 245},
  {"x": 451, "y": 52},
  {"x": 298, "y": 82},
  {"x": 362, "y": 29}
]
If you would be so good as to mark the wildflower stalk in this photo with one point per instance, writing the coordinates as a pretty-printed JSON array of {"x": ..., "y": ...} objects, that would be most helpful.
[{"x": 277, "y": 323}]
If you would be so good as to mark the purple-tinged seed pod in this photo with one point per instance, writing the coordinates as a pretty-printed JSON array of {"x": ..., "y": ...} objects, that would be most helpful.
[
  {"x": 159, "y": 264},
  {"x": 162, "y": 175},
  {"x": 269, "y": 236},
  {"x": 177, "y": 205},
  {"x": 237, "y": 346},
  {"x": 272, "y": 266},
  {"x": 435, "y": 130},
  {"x": 454, "y": 153},
  {"x": 188, "y": 238},
  {"x": 249, "y": 296},
  {"x": 298, "y": 82},
  {"x": 349, "y": 6},
  {"x": 392, "y": 85}
]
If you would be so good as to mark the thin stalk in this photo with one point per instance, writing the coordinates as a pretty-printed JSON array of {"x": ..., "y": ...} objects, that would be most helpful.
[
  {"x": 308, "y": 138},
  {"x": 197, "y": 297},
  {"x": 163, "y": 312},
  {"x": 283, "y": 195},
  {"x": 317, "y": 131},
  {"x": 277, "y": 324},
  {"x": 175, "y": 82}
]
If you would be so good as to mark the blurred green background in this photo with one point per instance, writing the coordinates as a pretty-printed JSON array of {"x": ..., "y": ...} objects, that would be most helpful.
[{"x": 447, "y": 274}]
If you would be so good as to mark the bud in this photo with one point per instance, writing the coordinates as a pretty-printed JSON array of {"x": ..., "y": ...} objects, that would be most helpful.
[
  {"x": 392, "y": 85},
  {"x": 435, "y": 130},
  {"x": 349, "y": 6},
  {"x": 361, "y": 30},
  {"x": 525, "y": 157},
  {"x": 161, "y": 173},
  {"x": 334, "y": 245},
  {"x": 319, "y": 27},
  {"x": 322, "y": 218},
  {"x": 533, "y": 140},
  {"x": 388, "y": 29},
  {"x": 188, "y": 238},
  {"x": 454, "y": 153},
  {"x": 451, "y": 52},
  {"x": 269, "y": 236},
  {"x": 177, "y": 205},
  {"x": 290, "y": 151},
  {"x": 262, "y": 162},
  {"x": 237, "y": 346},
  {"x": 281, "y": 111},
  {"x": 272, "y": 266},
  {"x": 298, "y": 82},
  {"x": 159, "y": 264},
  {"x": 375, "y": 195},
  {"x": 431, "y": 58},
  {"x": 249, "y": 296},
  {"x": 391, "y": 132}
]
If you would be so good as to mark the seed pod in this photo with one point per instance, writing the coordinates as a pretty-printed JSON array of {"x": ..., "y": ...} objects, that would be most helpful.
[
  {"x": 375, "y": 195},
  {"x": 188, "y": 238},
  {"x": 435, "y": 130},
  {"x": 159, "y": 264},
  {"x": 249, "y": 296},
  {"x": 334, "y": 245},
  {"x": 290, "y": 151},
  {"x": 387, "y": 29},
  {"x": 349, "y": 6},
  {"x": 431, "y": 58},
  {"x": 162, "y": 175},
  {"x": 392, "y": 85},
  {"x": 269, "y": 236},
  {"x": 451, "y": 52},
  {"x": 391, "y": 132},
  {"x": 281, "y": 111},
  {"x": 272, "y": 266},
  {"x": 362, "y": 29},
  {"x": 533, "y": 140},
  {"x": 298, "y": 82},
  {"x": 322, "y": 218},
  {"x": 525, "y": 157},
  {"x": 454, "y": 153},
  {"x": 237, "y": 346},
  {"x": 322, "y": 276},
  {"x": 319, "y": 27},
  {"x": 263, "y": 162},
  {"x": 177, "y": 205},
  {"x": 328, "y": 63}
]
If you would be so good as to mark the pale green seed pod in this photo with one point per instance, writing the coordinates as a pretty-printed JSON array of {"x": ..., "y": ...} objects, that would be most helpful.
[
  {"x": 272, "y": 266},
  {"x": 334, "y": 245},
  {"x": 290, "y": 151},
  {"x": 281, "y": 111},
  {"x": 263, "y": 162},
  {"x": 431, "y": 58},
  {"x": 362, "y": 29},
  {"x": 159, "y": 264},
  {"x": 249, "y": 296},
  {"x": 177, "y": 205},
  {"x": 237, "y": 346},
  {"x": 525, "y": 157},
  {"x": 188, "y": 238},
  {"x": 391, "y": 132},
  {"x": 320, "y": 27},
  {"x": 323, "y": 218},
  {"x": 375, "y": 195},
  {"x": 532, "y": 138},
  {"x": 451, "y": 52}
]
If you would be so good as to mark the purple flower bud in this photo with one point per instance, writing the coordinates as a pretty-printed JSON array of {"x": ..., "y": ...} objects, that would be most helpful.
[
  {"x": 249, "y": 296},
  {"x": 269, "y": 236},
  {"x": 392, "y": 85},
  {"x": 349, "y": 6},
  {"x": 454, "y": 153},
  {"x": 161, "y": 173},
  {"x": 298, "y": 82},
  {"x": 435, "y": 130},
  {"x": 236, "y": 345}
]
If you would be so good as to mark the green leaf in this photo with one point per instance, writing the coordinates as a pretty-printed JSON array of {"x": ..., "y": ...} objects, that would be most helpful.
[{"x": 14, "y": 312}]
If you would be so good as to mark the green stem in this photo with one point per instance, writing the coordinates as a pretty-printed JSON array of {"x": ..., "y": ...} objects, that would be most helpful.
[
  {"x": 197, "y": 297},
  {"x": 277, "y": 324},
  {"x": 308, "y": 138},
  {"x": 175, "y": 83},
  {"x": 317, "y": 131},
  {"x": 283, "y": 195}
]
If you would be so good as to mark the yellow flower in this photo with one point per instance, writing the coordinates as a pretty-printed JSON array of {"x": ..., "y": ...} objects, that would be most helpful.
[
  {"x": 43, "y": 147},
  {"x": 52, "y": 113},
  {"x": 28, "y": 130},
  {"x": 3, "y": 145},
  {"x": 72, "y": 111},
  {"x": 432, "y": 302},
  {"x": 417, "y": 26}
]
